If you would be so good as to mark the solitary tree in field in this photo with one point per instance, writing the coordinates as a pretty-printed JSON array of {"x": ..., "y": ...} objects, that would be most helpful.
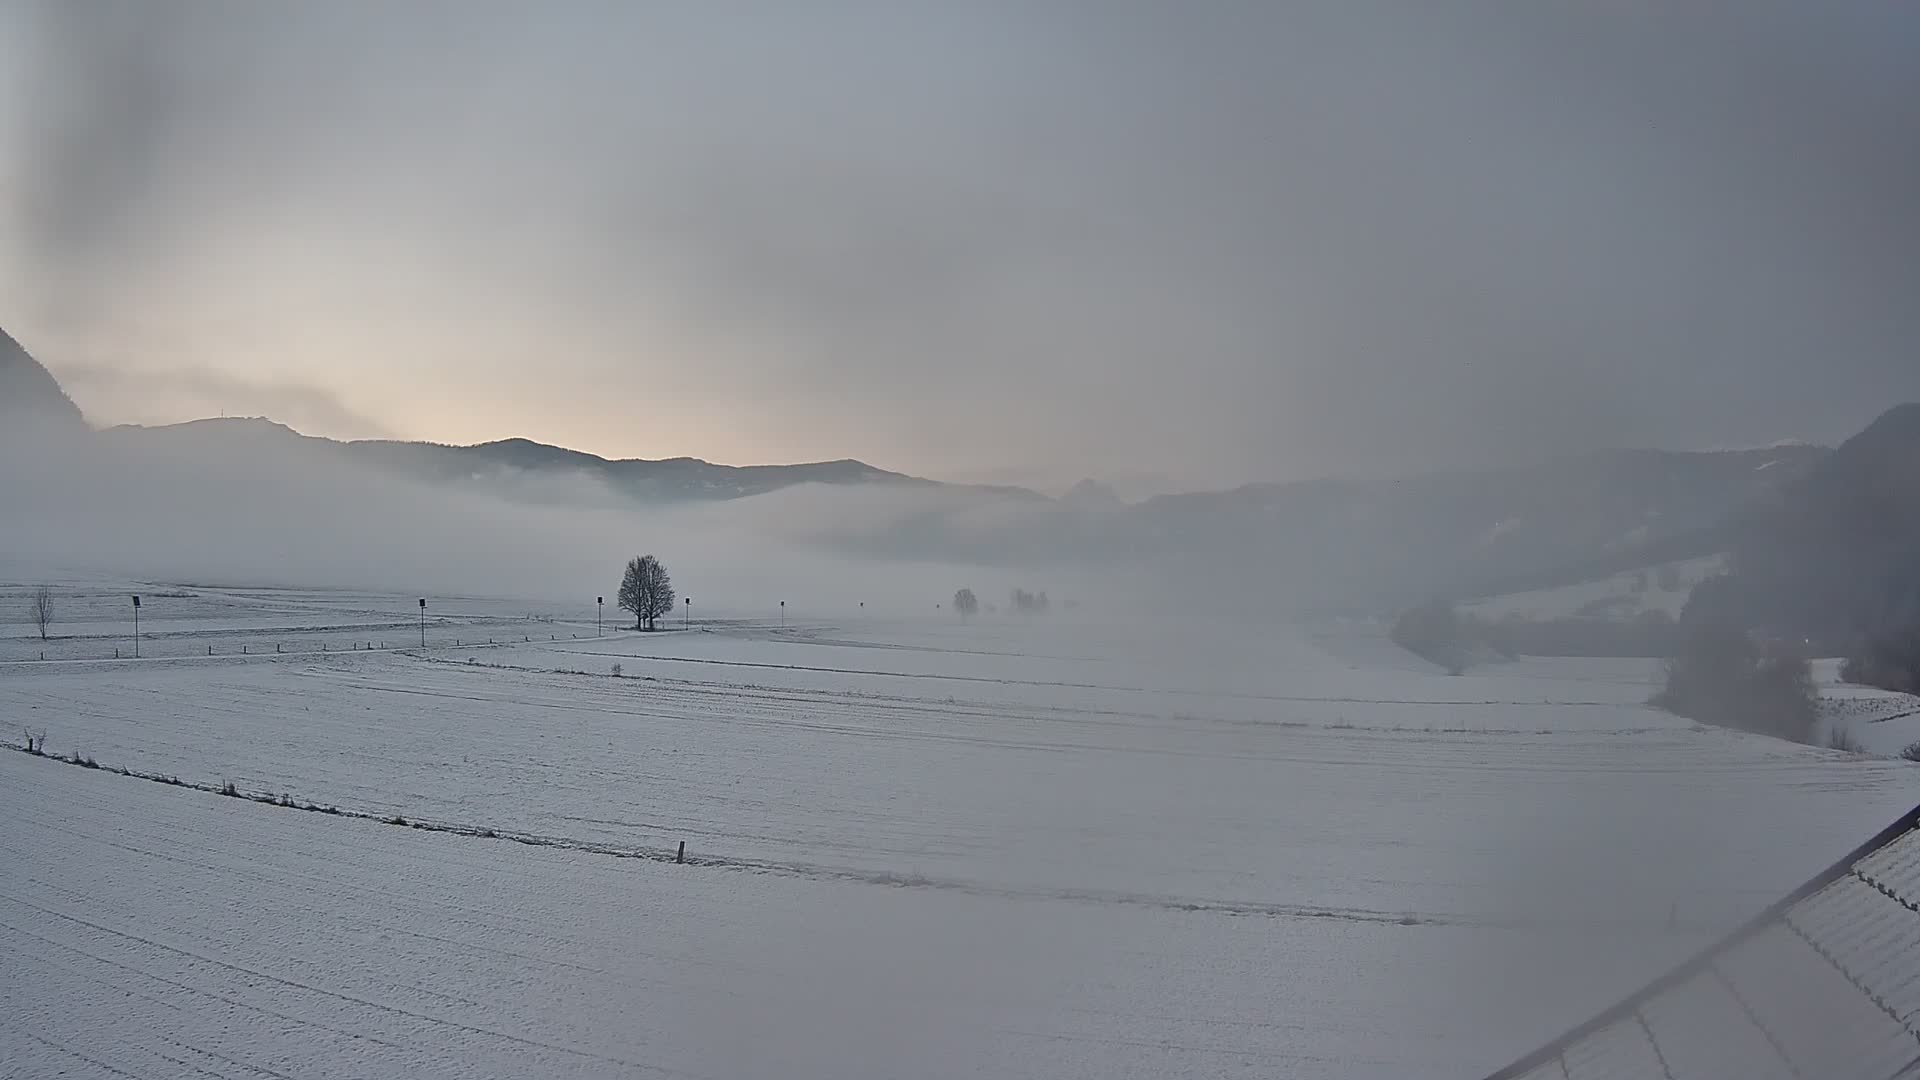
[
  {"x": 966, "y": 603},
  {"x": 43, "y": 609},
  {"x": 646, "y": 590}
]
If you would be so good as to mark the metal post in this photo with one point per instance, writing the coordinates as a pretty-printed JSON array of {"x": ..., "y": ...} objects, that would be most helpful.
[
  {"x": 423, "y": 622},
  {"x": 783, "y": 613},
  {"x": 686, "y": 614},
  {"x": 136, "y": 627},
  {"x": 599, "y": 613}
]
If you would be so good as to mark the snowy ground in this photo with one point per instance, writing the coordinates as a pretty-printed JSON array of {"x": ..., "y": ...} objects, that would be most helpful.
[
  {"x": 1879, "y": 722},
  {"x": 920, "y": 848},
  {"x": 1623, "y": 596},
  {"x": 94, "y": 620}
]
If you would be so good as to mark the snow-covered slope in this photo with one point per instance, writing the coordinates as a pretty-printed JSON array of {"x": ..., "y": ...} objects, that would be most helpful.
[{"x": 1623, "y": 596}]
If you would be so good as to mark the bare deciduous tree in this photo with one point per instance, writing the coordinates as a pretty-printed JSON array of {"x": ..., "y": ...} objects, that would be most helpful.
[
  {"x": 646, "y": 590},
  {"x": 965, "y": 602},
  {"x": 43, "y": 610}
]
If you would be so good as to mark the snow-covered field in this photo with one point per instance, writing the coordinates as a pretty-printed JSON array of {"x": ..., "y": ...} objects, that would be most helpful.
[
  {"x": 917, "y": 847},
  {"x": 1879, "y": 722},
  {"x": 1627, "y": 595}
]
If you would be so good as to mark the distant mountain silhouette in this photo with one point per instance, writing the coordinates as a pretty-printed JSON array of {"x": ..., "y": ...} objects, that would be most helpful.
[
  {"x": 525, "y": 463},
  {"x": 1370, "y": 546},
  {"x": 1836, "y": 557},
  {"x": 29, "y": 393},
  {"x": 1331, "y": 545},
  {"x": 1092, "y": 495},
  {"x": 1401, "y": 541}
]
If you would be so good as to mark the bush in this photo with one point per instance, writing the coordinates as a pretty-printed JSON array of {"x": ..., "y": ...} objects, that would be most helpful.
[
  {"x": 1435, "y": 632},
  {"x": 1912, "y": 752},
  {"x": 1720, "y": 676}
]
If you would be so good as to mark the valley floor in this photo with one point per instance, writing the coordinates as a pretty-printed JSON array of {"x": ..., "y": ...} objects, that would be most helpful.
[{"x": 917, "y": 848}]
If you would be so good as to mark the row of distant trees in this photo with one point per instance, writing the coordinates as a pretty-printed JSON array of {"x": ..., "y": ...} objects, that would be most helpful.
[{"x": 1021, "y": 601}]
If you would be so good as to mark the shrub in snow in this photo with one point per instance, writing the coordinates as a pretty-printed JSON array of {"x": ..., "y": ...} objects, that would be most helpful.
[
  {"x": 1435, "y": 632},
  {"x": 1721, "y": 676}
]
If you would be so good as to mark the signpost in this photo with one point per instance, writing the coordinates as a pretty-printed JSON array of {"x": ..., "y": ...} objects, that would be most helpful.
[
  {"x": 686, "y": 615},
  {"x": 599, "y": 613},
  {"x": 136, "y": 628},
  {"x": 423, "y": 622}
]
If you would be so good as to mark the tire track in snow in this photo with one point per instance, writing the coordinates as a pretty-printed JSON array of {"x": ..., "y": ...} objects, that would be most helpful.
[
  {"x": 1228, "y": 694},
  {"x": 189, "y": 988},
  {"x": 240, "y": 969},
  {"x": 71, "y": 1052}
]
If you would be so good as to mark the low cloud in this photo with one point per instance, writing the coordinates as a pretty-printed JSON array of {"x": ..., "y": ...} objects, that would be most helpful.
[
  {"x": 113, "y": 395},
  {"x": 253, "y": 507}
]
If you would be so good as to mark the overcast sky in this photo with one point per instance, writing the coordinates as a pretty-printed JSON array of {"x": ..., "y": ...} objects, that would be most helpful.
[{"x": 1166, "y": 244}]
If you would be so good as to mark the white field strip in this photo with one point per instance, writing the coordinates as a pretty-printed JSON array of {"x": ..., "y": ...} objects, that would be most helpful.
[
  {"x": 152, "y": 931},
  {"x": 980, "y": 770},
  {"x": 93, "y": 621}
]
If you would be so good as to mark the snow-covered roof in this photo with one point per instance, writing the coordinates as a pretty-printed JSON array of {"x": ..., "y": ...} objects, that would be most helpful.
[{"x": 1824, "y": 985}]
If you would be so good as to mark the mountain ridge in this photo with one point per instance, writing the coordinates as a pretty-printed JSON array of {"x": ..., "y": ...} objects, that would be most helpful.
[
  {"x": 30, "y": 393},
  {"x": 659, "y": 479},
  {"x": 1330, "y": 545}
]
